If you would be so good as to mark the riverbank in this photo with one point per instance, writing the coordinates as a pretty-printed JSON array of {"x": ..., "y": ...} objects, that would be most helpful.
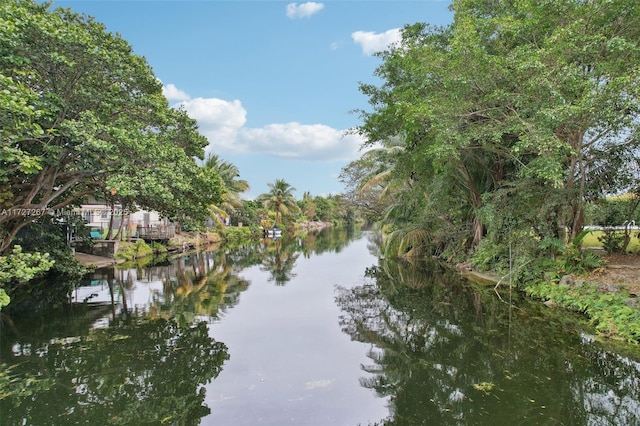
[
  {"x": 187, "y": 241},
  {"x": 131, "y": 250},
  {"x": 313, "y": 225},
  {"x": 92, "y": 261},
  {"x": 608, "y": 296}
]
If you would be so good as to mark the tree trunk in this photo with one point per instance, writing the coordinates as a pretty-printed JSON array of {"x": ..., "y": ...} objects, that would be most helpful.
[
  {"x": 118, "y": 235},
  {"x": 110, "y": 230},
  {"x": 575, "y": 187},
  {"x": 478, "y": 231}
]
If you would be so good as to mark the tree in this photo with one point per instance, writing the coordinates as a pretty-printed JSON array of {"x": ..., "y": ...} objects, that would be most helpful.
[
  {"x": 525, "y": 110},
  {"x": 19, "y": 267},
  {"x": 569, "y": 89},
  {"x": 84, "y": 116},
  {"x": 367, "y": 199},
  {"x": 280, "y": 198},
  {"x": 232, "y": 185},
  {"x": 308, "y": 206},
  {"x": 420, "y": 157}
]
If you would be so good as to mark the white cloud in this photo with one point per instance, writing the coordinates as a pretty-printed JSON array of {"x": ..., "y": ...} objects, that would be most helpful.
[
  {"x": 315, "y": 142},
  {"x": 172, "y": 93},
  {"x": 218, "y": 120},
  {"x": 223, "y": 123},
  {"x": 372, "y": 42},
  {"x": 303, "y": 10}
]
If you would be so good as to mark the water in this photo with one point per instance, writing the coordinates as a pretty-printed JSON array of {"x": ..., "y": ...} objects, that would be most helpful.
[{"x": 315, "y": 331}]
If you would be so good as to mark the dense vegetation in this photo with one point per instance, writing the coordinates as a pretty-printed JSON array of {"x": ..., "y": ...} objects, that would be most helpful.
[
  {"x": 501, "y": 128},
  {"x": 492, "y": 141},
  {"x": 83, "y": 118},
  {"x": 496, "y": 139}
]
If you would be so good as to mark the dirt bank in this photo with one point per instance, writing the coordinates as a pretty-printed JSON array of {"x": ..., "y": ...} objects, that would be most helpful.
[
  {"x": 622, "y": 272},
  {"x": 91, "y": 261}
]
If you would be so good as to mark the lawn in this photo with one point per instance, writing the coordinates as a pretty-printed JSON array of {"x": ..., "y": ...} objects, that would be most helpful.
[{"x": 591, "y": 241}]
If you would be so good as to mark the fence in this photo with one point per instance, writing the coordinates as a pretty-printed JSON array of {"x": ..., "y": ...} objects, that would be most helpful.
[{"x": 158, "y": 232}]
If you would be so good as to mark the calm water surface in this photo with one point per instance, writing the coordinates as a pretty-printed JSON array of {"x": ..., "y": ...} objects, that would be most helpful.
[{"x": 308, "y": 331}]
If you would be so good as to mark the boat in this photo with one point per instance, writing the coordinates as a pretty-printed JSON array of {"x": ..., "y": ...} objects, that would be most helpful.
[{"x": 272, "y": 232}]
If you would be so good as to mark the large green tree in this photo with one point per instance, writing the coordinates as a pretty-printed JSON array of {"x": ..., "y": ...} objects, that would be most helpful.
[
  {"x": 515, "y": 114},
  {"x": 84, "y": 116},
  {"x": 567, "y": 103}
]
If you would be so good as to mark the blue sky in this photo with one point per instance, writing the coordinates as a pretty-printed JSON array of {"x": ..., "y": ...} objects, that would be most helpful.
[{"x": 271, "y": 83}]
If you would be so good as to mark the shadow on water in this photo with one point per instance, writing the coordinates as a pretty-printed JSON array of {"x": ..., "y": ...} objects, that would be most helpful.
[{"x": 446, "y": 352}]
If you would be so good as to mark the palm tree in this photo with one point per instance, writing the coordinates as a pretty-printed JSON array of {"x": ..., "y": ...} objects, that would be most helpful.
[
  {"x": 281, "y": 198},
  {"x": 308, "y": 206},
  {"x": 233, "y": 186},
  {"x": 385, "y": 157}
]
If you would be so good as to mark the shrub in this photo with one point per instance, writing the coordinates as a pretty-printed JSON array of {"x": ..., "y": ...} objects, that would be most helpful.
[{"x": 134, "y": 251}]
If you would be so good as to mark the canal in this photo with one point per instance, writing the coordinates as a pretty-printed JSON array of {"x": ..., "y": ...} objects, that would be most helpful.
[{"x": 318, "y": 331}]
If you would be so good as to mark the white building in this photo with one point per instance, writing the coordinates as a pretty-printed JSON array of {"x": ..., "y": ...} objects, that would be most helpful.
[{"x": 97, "y": 217}]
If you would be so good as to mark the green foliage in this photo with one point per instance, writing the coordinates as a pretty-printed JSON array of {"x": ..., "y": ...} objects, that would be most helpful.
[
  {"x": 593, "y": 240},
  {"x": 613, "y": 241},
  {"x": 577, "y": 240},
  {"x": 407, "y": 243},
  {"x": 614, "y": 214},
  {"x": 238, "y": 235},
  {"x": 280, "y": 198},
  {"x": 22, "y": 267},
  {"x": 552, "y": 246},
  {"x": 573, "y": 260},
  {"x": 158, "y": 248},
  {"x": 84, "y": 115},
  {"x": 138, "y": 250},
  {"x": 559, "y": 258},
  {"x": 616, "y": 211},
  {"x": 4, "y": 298},
  {"x": 232, "y": 187},
  {"x": 505, "y": 131},
  {"x": 18, "y": 268},
  {"x": 608, "y": 312},
  {"x": 489, "y": 256},
  {"x": 248, "y": 213},
  {"x": 53, "y": 287}
]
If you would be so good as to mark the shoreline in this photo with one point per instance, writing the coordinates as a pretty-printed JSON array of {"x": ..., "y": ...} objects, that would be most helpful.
[{"x": 93, "y": 261}]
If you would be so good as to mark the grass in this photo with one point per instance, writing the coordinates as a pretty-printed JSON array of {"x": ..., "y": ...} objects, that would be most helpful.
[{"x": 591, "y": 241}]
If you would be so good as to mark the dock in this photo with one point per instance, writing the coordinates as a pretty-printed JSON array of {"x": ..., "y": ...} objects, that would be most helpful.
[{"x": 90, "y": 260}]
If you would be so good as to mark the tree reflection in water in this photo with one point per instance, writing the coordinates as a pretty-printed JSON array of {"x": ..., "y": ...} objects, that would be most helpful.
[
  {"x": 140, "y": 370},
  {"x": 203, "y": 284},
  {"x": 280, "y": 255},
  {"x": 279, "y": 260},
  {"x": 448, "y": 352},
  {"x": 148, "y": 365},
  {"x": 139, "y": 352}
]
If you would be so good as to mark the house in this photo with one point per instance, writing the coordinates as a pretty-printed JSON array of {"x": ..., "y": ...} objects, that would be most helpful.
[{"x": 138, "y": 224}]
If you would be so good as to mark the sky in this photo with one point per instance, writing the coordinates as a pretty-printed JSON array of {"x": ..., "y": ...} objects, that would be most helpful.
[{"x": 273, "y": 85}]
